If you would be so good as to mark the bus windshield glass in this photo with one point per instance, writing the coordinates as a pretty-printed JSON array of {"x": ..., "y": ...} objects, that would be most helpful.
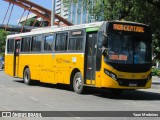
[{"x": 127, "y": 49}]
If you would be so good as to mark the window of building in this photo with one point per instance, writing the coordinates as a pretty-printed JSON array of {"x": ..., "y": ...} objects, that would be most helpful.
[
  {"x": 25, "y": 44},
  {"x": 75, "y": 43},
  {"x": 48, "y": 43},
  {"x": 36, "y": 43},
  {"x": 10, "y": 45},
  {"x": 61, "y": 42}
]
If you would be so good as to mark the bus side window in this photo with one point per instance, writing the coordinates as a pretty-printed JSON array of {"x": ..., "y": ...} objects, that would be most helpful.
[
  {"x": 10, "y": 46},
  {"x": 25, "y": 44},
  {"x": 36, "y": 44},
  {"x": 75, "y": 43},
  {"x": 61, "y": 42},
  {"x": 48, "y": 43}
]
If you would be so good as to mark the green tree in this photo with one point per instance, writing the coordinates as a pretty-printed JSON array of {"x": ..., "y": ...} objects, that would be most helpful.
[
  {"x": 106, "y": 9},
  {"x": 3, "y": 35},
  {"x": 31, "y": 21}
]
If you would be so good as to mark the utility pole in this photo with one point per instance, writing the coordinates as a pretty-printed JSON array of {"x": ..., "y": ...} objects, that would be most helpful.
[{"x": 53, "y": 13}]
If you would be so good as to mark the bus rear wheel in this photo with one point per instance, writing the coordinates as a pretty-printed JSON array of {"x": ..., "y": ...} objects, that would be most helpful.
[
  {"x": 78, "y": 83},
  {"x": 27, "y": 77}
]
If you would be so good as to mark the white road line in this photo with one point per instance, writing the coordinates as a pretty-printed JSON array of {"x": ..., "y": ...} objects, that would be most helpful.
[
  {"x": 6, "y": 108},
  {"x": 34, "y": 99},
  {"x": 78, "y": 117},
  {"x": 49, "y": 106}
]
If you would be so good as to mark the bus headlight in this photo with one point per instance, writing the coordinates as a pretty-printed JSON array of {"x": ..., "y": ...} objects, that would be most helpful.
[{"x": 110, "y": 74}]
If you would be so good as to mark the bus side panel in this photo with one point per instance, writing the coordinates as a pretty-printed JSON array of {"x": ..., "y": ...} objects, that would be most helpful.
[
  {"x": 98, "y": 79},
  {"x": 23, "y": 62},
  {"x": 65, "y": 63},
  {"x": 35, "y": 65},
  {"x": 9, "y": 64},
  {"x": 48, "y": 69}
]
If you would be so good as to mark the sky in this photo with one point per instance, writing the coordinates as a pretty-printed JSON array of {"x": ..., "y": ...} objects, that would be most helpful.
[{"x": 17, "y": 11}]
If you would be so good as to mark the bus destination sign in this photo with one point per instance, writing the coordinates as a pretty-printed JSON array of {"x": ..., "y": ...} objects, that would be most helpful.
[{"x": 130, "y": 28}]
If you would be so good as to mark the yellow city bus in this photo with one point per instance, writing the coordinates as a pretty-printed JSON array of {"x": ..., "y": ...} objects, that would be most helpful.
[{"x": 108, "y": 54}]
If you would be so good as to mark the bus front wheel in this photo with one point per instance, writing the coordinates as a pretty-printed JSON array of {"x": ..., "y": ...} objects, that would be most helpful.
[
  {"x": 27, "y": 77},
  {"x": 78, "y": 83}
]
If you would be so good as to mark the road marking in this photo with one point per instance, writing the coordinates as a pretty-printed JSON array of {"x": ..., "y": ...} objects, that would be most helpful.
[
  {"x": 49, "y": 106},
  {"x": 34, "y": 99},
  {"x": 78, "y": 117},
  {"x": 6, "y": 108}
]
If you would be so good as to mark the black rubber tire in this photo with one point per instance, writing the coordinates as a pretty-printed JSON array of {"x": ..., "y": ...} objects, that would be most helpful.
[
  {"x": 27, "y": 77},
  {"x": 78, "y": 83}
]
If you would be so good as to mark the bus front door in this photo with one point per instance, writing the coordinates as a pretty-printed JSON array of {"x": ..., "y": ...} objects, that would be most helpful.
[
  {"x": 16, "y": 58},
  {"x": 90, "y": 58}
]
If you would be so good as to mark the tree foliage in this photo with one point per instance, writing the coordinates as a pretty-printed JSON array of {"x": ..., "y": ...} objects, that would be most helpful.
[
  {"x": 3, "y": 35},
  {"x": 36, "y": 23},
  {"x": 143, "y": 11}
]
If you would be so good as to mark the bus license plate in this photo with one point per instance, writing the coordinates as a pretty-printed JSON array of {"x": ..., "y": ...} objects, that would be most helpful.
[{"x": 132, "y": 84}]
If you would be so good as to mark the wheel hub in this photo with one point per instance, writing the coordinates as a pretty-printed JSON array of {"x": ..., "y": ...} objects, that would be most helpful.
[
  {"x": 26, "y": 77},
  {"x": 78, "y": 83}
]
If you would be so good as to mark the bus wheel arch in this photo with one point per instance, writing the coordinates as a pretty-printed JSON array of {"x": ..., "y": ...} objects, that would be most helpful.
[{"x": 76, "y": 81}]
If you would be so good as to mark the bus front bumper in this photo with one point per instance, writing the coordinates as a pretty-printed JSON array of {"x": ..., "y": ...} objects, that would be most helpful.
[{"x": 125, "y": 83}]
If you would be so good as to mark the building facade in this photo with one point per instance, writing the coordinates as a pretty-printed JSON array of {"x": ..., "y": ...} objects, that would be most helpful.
[
  {"x": 60, "y": 9},
  {"x": 76, "y": 13}
]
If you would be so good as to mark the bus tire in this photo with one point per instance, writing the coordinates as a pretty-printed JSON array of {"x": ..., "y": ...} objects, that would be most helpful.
[
  {"x": 27, "y": 77},
  {"x": 78, "y": 83}
]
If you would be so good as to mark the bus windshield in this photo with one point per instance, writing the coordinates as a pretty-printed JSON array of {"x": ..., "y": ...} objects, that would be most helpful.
[{"x": 128, "y": 49}]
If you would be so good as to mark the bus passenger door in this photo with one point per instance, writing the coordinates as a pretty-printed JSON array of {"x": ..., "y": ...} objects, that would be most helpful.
[
  {"x": 16, "y": 58},
  {"x": 90, "y": 58}
]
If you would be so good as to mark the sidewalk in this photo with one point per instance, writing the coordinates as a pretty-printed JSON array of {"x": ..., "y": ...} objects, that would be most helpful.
[
  {"x": 155, "y": 85},
  {"x": 155, "y": 88},
  {"x": 155, "y": 79}
]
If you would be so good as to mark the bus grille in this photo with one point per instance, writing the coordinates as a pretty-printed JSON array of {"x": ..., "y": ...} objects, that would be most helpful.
[{"x": 137, "y": 82}]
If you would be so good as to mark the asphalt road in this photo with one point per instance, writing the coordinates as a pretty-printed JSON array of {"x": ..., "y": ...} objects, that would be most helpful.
[{"x": 16, "y": 96}]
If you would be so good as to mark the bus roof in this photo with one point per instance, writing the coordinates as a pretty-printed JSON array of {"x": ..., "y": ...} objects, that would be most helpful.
[
  {"x": 53, "y": 29},
  {"x": 56, "y": 29},
  {"x": 129, "y": 22}
]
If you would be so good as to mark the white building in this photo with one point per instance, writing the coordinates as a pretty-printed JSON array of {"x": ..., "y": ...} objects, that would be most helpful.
[
  {"x": 60, "y": 9},
  {"x": 76, "y": 13}
]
